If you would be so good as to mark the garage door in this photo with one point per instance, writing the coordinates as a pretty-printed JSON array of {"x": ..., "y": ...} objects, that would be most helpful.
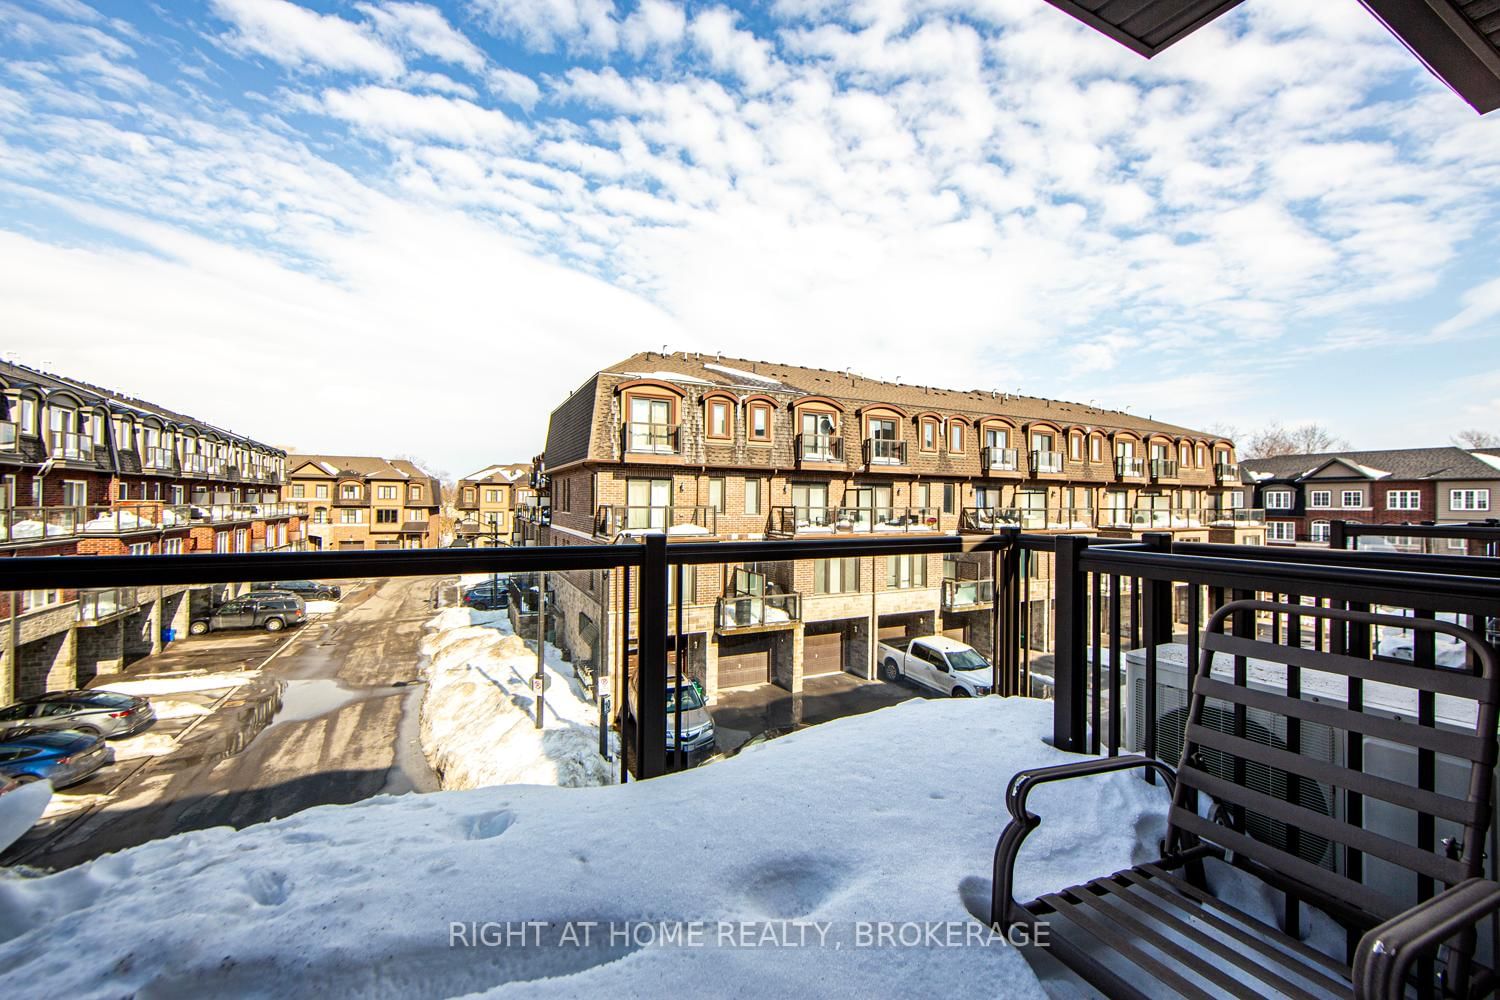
[
  {"x": 890, "y": 633},
  {"x": 737, "y": 669},
  {"x": 961, "y": 633},
  {"x": 822, "y": 654}
]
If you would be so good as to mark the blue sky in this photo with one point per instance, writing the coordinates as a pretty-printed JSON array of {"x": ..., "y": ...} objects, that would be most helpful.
[{"x": 401, "y": 227}]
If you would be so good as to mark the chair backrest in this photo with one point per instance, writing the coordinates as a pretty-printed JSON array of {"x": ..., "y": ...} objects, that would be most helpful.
[{"x": 1309, "y": 813}]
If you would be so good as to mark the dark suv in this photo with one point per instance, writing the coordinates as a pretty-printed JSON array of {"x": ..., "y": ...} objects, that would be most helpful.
[
  {"x": 487, "y": 596},
  {"x": 272, "y": 612},
  {"x": 308, "y": 590}
]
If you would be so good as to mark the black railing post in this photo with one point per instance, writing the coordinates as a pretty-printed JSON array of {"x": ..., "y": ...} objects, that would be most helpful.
[
  {"x": 1070, "y": 687},
  {"x": 1156, "y": 621},
  {"x": 651, "y": 668},
  {"x": 1338, "y": 535}
]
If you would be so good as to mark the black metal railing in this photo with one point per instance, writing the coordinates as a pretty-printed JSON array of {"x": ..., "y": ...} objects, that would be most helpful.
[
  {"x": 70, "y": 446},
  {"x": 1000, "y": 459},
  {"x": 1129, "y": 467},
  {"x": 1046, "y": 462},
  {"x": 884, "y": 451},
  {"x": 638, "y": 437},
  {"x": 612, "y": 520},
  {"x": 1163, "y": 468},
  {"x": 815, "y": 448},
  {"x": 1226, "y": 473}
]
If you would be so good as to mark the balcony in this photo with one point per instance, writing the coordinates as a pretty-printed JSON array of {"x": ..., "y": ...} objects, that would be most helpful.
[
  {"x": 1235, "y": 517},
  {"x": 1163, "y": 470},
  {"x": 158, "y": 460},
  {"x": 737, "y": 614},
  {"x": 9, "y": 437},
  {"x": 1226, "y": 473},
  {"x": 886, "y": 519},
  {"x": 614, "y": 520},
  {"x": 36, "y": 524},
  {"x": 1046, "y": 463},
  {"x": 990, "y": 520},
  {"x": 884, "y": 451},
  {"x": 229, "y": 513},
  {"x": 967, "y": 595},
  {"x": 1129, "y": 467},
  {"x": 650, "y": 438},
  {"x": 1151, "y": 518},
  {"x": 69, "y": 446},
  {"x": 352, "y": 498},
  {"x": 194, "y": 465},
  {"x": 789, "y": 522},
  {"x": 1000, "y": 460},
  {"x": 816, "y": 448}
]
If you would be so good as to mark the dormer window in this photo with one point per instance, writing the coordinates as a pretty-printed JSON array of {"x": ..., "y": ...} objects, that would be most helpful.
[
  {"x": 349, "y": 491},
  {"x": 28, "y": 415},
  {"x": 955, "y": 437},
  {"x": 760, "y": 422},
  {"x": 720, "y": 419},
  {"x": 930, "y": 431},
  {"x": 1075, "y": 447},
  {"x": 416, "y": 492}
]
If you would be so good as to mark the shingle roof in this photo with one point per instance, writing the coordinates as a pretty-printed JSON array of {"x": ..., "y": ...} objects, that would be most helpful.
[
  {"x": 369, "y": 467},
  {"x": 21, "y": 375},
  {"x": 1401, "y": 463},
  {"x": 507, "y": 474}
]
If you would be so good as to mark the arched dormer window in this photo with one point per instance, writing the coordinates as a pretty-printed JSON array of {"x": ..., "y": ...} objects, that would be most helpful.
[{"x": 718, "y": 416}]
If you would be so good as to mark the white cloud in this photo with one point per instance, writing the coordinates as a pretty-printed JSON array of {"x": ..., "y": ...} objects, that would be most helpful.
[
  {"x": 386, "y": 112},
  {"x": 654, "y": 25},
  {"x": 573, "y": 25},
  {"x": 295, "y": 36},
  {"x": 1481, "y": 304},
  {"x": 424, "y": 29},
  {"x": 518, "y": 88}
]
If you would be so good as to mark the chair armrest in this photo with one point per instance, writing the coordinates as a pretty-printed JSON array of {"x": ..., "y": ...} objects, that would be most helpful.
[
  {"x": 1386, "y": 953},
  {"x": 1022, "y": 822}
]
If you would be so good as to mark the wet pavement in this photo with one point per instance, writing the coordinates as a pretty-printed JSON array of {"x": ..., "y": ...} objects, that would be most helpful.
[
  {"x": 331, "y": 718},
  {"x": 742, "y": 713}
]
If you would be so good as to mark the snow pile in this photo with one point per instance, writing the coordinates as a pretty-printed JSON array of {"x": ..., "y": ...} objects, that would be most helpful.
[
  {"x": 862, "y": 820},
  {"x": 20, "y": 808},
  {"x": 478, "y": 714},
  {"x": 321, "y": 607},
  {"x": 183, "y": 683}
]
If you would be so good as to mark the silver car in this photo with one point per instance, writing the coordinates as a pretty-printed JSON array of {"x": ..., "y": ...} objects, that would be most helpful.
[
  {"x": 697, "y": 725},
  {"x": 94, "y": 713}
]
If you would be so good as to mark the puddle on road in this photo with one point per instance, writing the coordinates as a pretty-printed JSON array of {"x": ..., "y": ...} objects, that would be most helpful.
[{"x": 303, "y": 700}]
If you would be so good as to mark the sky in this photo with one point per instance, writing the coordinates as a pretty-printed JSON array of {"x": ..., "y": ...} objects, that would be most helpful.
[{"x": 370, "y": 226}]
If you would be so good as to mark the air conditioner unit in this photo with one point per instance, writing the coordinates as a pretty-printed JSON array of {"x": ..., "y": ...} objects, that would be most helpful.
[{"x": 1381, "y": 757}]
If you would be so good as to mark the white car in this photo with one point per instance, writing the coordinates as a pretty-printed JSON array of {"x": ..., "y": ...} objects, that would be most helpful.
[{"x": 935, "y": 661}]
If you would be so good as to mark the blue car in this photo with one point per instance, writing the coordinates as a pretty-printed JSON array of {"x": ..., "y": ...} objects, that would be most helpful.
[{"x": 62, "y": 757}]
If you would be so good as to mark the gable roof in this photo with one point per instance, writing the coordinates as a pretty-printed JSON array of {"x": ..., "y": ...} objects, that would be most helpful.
[
  {"x": 1446, "y": 462},
  {"x": 500, "y": 474}
]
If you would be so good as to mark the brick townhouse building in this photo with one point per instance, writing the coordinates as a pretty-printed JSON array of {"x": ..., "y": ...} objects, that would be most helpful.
[
  {"x": 706, "y": 448},
  {"x": 487, "y": 503},
  {"x": 88, "y": 471},
  {"x": 1303, "y": 494},
  {"x": 352, "y": 502}
]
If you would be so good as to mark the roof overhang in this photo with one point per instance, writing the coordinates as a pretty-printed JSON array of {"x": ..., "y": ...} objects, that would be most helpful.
[{"x": 1457, "y": 40}]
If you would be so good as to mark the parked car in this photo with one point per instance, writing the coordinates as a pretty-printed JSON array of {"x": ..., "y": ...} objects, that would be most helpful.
[
  {"x": 270, "y": 611},
  {"x": 698, "y": 732},
  {"x": 93, "y": 713},
  {"x": 62, "y": 757},
  {"x": 487, "y": 596},
  {"x": 308, "y": 590},
  {"x": 937, "y": 662}
]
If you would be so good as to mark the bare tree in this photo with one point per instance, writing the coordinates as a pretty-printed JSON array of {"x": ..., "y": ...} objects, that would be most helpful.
[
  {"x": 1475, "y": 438},
  {"x": 1306, "y": 439}
]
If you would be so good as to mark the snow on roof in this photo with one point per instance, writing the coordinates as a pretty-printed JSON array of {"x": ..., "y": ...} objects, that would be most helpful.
[
  {"x": 1493, "y": 461},
  {"x": 747, "y": 378},
  {"x": 670, "y": 377},
  {"x": 779, "y": 837}
]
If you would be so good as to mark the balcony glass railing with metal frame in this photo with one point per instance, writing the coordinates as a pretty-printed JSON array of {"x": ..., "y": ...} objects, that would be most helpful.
[
  {"x": 651, "y": 438},
  {"x": 1130, "y": 467},
  {"x": 1226, "y": 473},
  {"x": 820, "y": 448},
  {"x": 70, "y": 446},
  {"x": 1163, "y": 468},
  {"x": 612, "y": 520},
  {"x": 1000, "y": 459},
  {"x": 102, "y": 605},
  {"x": 1046, "y": 462},
  {"x": 790, "y": 521},
  {"x": 985, "y": 520},
  {"x": 736, "y": 612},
  {"x": 959, "y": 595},
  {"x": 897, "y": 519},
  {"x": 1234, "y": 517},
  {"x": 158, "y": 460},
  {"x": 885, "y": 451}
]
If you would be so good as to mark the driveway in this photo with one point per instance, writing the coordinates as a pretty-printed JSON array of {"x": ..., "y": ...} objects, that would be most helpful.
[{"x": 741, "y": 713}]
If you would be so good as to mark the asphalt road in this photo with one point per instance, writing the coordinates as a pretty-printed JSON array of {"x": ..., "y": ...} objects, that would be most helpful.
[{"x": 332, "y": 718}]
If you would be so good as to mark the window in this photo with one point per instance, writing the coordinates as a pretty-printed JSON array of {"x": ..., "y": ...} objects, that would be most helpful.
[
  {"x": 349, "y": 491},
  {"x": 140, "y": 548},
  {"x": 905, "y": 572},
  {"x": 1319, "y": 531},
  {"x": 956, "y": 437},
  {"x": 651, "y": 425},
  {"x": 1200, "y": 456},
  {"x": 1458, "y": 544},
  {"x": 177, "y": 495},
  {"x": 414, "y": 492},
  {"x": 1469, "y": 499},
  {"x": 752, "y": 496},
  {"x": 171, "y": 546},
  {"x": 221, "y": 542},
  {"x": 321, "y": 491},
  {"x": 320, "y": 515},
  {"x": 386, "y": 515},
  {"x": 929, "y": 434},
  {"x": 75, "y": 493},
  {"x": 646, "y": 502},
  {"x": 490, "y": 496},
  {"x": 835, "y": 576},
  {"x": 351, "y": 515},
  {"x": 760, "y": 422},
  {"x": 718, "y": 418},
  {"x": 1278, "y": 500},
  {"x": 949, "y": 498},
  {"x": 1403, "y": 500},
  {"x": 716, "y": 494},
  {"x": 1184, "y": 456},
  {"x": 298, "y": 491},
  {"x": 1281, "y": 531},
  {"x": 1075, "y": 447},
  {"x": 1354, "y": 498},
  {"x": 1319, "y": 498},
  {"x": 28, "y": 416},
  {"x": 385, "y": 493},
  {"x": 921, "y": 496},
  {"x": 123, "y": 491},
  {"x": 1094, "y": 447}
]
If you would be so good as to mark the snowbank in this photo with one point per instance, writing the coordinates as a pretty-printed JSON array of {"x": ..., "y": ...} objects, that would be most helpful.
[
  {"x": 178, "y": 685},
  {"x": 477, "y": 715},
  {"x": 861, "y": 820}
]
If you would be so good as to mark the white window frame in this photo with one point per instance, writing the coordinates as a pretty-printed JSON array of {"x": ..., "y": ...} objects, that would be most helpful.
[
  {"x": 1320, "y": 530},
  {"x": 1359, "y": 499},
  {"x": 1271, "y": 495},
  {"x": 1469, "y": 500},
  {"x": 1314, "y": 503},
  {"x": 1403, "y": 500},
  {"x": 752, "y": 495},
  {"x": 1281, "y": 531}
]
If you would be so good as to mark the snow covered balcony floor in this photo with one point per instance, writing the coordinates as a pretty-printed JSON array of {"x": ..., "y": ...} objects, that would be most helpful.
[{"x": 843, "y": 861}]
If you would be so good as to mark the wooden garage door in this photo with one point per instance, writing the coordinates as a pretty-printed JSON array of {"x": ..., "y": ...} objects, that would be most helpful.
[
  {"x": 737, "y": 669},
  {"x": 822, "y": 654}
]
